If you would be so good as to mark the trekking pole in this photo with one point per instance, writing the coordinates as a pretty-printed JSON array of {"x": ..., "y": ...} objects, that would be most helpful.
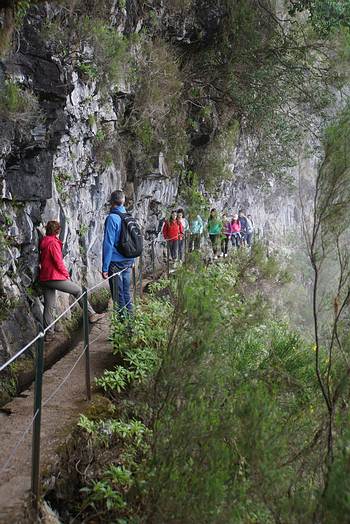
[
  {"x": 86, "y": 344},
  {"x": 153, "y": 256},
  {"x": 167, "y": 260},
  {"x": 134, "y": 282},
  {"x": 39, "y": 369},
  {"x": 140, "y": 275},
  {"x": 113, "y": 292}
]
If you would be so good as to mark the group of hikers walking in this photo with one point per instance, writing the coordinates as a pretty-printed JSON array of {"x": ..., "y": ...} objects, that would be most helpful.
[
  {"x": 222, "y": 230},
  {"x": 122, "y": 243}
]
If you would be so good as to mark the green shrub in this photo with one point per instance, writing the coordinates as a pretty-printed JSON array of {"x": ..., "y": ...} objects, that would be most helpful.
[
  {"x": 17, "y": 103},
  {"x": 230, "y": 378},
  {"x": 88, "y": 70},
  {"x": 61, "y": 180},
  {"x": 158, "y": 119},
  {"x": 140, "y": 342}
]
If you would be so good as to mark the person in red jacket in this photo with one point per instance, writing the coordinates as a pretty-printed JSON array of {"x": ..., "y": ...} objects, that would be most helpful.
[
  {"x": 54, "y": 276},
  {"x": 172, "y": 230}
]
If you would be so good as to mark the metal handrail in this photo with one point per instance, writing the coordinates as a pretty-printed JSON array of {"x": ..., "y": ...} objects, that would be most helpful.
[{"x": 44, "y": 331}]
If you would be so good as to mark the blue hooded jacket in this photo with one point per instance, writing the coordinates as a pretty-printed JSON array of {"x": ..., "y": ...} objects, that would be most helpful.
[
  {"x": 110, "y": 240},
  {"x": 244, "y": 224}
]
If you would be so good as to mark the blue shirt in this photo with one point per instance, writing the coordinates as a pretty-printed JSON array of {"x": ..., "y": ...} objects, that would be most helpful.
[
  {"x": 243, "y": 222},
  {"x": 111, "y": 239},
  {"x": 197, "y": 226}
]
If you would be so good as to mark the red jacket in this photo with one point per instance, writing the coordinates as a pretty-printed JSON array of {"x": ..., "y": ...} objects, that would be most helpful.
[
  {"x": 51, "y": 260},
  {"x": 172, "y": 230}
]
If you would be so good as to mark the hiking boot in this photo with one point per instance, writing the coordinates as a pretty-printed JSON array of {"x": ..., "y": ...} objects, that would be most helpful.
[{"x": 96, "y": 317}]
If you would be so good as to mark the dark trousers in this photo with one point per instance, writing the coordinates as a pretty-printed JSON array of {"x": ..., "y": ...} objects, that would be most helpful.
[
  {"x": 214, "y": 239},
  {"x": 180, "y": 246},
  {"x": 224, "y": 244},
  {"x": 173, "y": 248},
  {"x": 249, "y": 237},
  {"x": 195, "y": 242},
  {"x": 120, "y": 286},
  {"x": 236, "y": 239}
]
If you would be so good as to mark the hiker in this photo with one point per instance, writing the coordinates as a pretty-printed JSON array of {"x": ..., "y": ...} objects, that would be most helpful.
[
  {"x": 243, "y": 222},
  {"x": 53, "y": 275},
  {"x": 225, "y": 235},
  {"x": 250, "y": 230},
  {"x": 214, "y": 230},
  {"x": 113, "y": 261},
  {"x": 180, "y": 217},
  {"x": 196, "y": 231},
  {"x": 235, "y": 231},
  {"x": 172, "y": 230}
]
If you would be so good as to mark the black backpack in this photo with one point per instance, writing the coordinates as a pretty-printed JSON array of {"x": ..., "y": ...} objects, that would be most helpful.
[{"x": 130, "y": 243}]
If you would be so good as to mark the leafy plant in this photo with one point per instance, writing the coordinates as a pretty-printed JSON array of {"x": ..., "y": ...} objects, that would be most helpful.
[
  {"x": 61, "y": 179},
  {"x": 83, "y": 229},
  {"x": 17, "y": 103},
  {"x": 88, "y": 70},
  {"x": 140, "y": 344}
]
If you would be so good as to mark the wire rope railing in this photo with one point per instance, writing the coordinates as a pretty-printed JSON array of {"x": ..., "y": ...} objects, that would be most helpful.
[
  {"x": 45, "y": 330},
  {"x": 39, "y": 404}
]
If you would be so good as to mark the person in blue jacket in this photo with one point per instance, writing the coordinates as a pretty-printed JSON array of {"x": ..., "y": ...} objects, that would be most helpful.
[
  {"x": 244, "y": 225},
  {"x": 112, "y": 260}
]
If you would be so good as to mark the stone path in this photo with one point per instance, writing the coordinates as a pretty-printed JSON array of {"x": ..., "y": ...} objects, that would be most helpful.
[{"x": 58, "y": 416}]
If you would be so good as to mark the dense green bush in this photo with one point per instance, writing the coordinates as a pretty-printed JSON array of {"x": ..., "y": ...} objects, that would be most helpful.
[
  {"x": 217, "y": 415},
  {"x": 238, "y": 407}
]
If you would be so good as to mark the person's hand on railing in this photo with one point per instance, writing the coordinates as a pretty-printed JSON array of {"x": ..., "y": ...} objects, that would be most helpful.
[{"x": 104, "y": 275}]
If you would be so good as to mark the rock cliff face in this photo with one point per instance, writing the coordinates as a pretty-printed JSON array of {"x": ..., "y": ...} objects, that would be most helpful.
[
  {"x": 275, "y": 208},
  {"x": 53, "y": 165},
  {"x": 50, "y": 169}
]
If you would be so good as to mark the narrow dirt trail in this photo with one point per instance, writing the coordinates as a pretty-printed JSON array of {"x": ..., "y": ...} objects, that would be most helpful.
[{"x": 58, "y": 415}]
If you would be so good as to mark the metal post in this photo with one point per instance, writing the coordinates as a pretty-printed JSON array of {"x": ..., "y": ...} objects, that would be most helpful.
[
  {"x": 140, "y": 275},
  {"x": 39, "y": 369},
  {"x": 86, "y": 344},
  {"x": 167, "y": 260},
  {"x": 153, "y": 255},
  {"x": 134, "y": 282}
]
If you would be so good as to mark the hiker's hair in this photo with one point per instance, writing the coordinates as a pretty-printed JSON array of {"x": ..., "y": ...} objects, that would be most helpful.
[
  {"x": 180, "y": 210},
  {"x": 171, "y": 213},
  {"x": 53, "y": 227},
  {"x": 117, "y": 197},
  {"x": 241, "y": 211}
]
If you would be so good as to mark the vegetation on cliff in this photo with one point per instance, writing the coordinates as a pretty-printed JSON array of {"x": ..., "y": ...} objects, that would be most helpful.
[
  {"x": 199, "y": 72},
  {"x": 214, "y": 413}
]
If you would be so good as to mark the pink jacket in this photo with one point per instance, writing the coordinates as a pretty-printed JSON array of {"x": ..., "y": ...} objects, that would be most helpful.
[{"x": 235, "y": 226}]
